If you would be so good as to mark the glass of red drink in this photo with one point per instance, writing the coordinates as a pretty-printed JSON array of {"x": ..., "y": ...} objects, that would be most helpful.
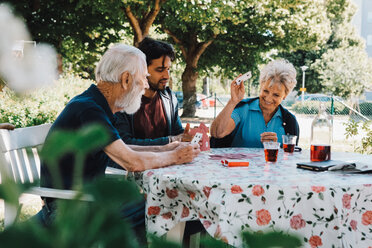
[
  {"x": 289, "y": 142},
  {"x": 320, "y": 153},
  {"x": 271, "y": 151}
]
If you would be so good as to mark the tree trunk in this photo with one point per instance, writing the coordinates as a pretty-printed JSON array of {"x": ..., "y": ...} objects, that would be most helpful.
[
  {"x": 138, "y": 37},
  {"x": 191, "y": 55},
  {"x": 189, "y": 77}
]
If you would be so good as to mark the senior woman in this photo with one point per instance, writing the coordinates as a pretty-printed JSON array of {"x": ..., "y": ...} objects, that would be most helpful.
[{"x": 251, "y": 121}]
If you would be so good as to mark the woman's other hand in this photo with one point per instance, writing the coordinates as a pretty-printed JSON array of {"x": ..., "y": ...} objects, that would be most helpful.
[{"x": 269, "y": 136}]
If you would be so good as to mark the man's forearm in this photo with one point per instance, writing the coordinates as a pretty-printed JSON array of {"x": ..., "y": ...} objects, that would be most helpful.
[{"x": 146, "y": 148}]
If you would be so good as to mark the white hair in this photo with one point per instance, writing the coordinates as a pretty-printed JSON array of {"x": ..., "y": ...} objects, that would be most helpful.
[
  {"x": 131, "y": 102},
  {"x": 280, "y": 72},
  {"x": 118, "y": 59}
]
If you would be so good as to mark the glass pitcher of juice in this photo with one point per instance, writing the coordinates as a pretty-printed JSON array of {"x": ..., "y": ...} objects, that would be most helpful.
[{"x": 321, "y": 136}]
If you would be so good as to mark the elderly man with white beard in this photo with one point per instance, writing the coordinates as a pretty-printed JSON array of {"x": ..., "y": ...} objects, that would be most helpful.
[{"x": 121, "y": 80}]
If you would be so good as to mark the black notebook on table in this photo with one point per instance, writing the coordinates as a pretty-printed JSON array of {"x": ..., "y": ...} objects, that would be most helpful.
[{"x": 326, "y": 165}]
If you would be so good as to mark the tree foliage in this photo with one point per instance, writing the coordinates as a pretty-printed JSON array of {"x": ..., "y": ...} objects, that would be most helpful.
[
  {"x": 234, "y": 35},
  {"x": 344, "y": 71},
  {"x": 341, "y": 66},
  {"x": 80, "y": 32}
]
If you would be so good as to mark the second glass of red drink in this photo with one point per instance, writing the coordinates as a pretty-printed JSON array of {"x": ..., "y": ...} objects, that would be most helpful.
[{"x": 289, "y": 142}]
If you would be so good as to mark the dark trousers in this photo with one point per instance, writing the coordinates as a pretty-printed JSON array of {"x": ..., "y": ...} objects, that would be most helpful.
[{"x": 191, "y": 227}]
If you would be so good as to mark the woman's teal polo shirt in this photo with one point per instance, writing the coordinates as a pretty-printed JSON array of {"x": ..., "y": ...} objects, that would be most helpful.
[{"x": 250, "y": 123}]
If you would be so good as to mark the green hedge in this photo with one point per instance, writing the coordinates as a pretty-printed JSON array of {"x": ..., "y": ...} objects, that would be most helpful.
[
  {"x": 312, "y": 107},
  {"x": 366, "y": 108},
  {"x": 41, "y": 106}
]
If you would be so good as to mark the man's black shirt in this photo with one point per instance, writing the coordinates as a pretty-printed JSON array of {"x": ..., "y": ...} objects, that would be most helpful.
[{"x": 87, "y": 108}]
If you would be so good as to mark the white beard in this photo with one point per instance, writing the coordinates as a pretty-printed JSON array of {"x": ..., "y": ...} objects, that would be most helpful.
[{"x": 131, "y": 102}]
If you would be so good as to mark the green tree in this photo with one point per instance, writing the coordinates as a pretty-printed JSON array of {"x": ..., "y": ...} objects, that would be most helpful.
[
  {"x": 80, "y": 32},
  {"x": 138, "y": 14},
  {"x": 341, "y": 66},
  {"x": 344, "y": 71},
  {"x": 234, "y": 34},
  {"x": 141, "y": 15}
]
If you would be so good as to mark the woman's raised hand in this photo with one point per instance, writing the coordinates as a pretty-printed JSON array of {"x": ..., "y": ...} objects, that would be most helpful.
[{"x": 237, "y": 91}]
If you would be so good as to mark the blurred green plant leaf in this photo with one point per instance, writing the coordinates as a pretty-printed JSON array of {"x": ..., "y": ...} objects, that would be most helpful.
[
  {"x": 158, "y": 242},
  {"x": 10, "y": 191},
  {"x": 271, "y": 239},
  {"x": 90, "y": 138},
  {"x": 113, "y": 191}
]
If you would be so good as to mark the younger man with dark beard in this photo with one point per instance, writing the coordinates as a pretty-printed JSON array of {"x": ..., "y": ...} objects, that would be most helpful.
[{"x": 157, "y": 121}]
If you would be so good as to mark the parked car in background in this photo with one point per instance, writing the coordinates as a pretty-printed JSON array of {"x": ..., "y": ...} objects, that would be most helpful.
[
  {"x": 366, "y": 97},
  {"x": 179, "y": 95},
  {"x": 202, "y": 101}
]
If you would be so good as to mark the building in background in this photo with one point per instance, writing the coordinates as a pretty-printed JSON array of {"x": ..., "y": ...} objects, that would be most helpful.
[{"x": 363, "y": 22}]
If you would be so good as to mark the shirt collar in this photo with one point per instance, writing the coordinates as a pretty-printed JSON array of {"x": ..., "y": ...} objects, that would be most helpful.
[{"x": 255, "y": 105}]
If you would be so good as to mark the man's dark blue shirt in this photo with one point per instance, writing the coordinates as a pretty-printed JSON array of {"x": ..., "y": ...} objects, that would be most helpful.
[{"x": 87, "y": 108}]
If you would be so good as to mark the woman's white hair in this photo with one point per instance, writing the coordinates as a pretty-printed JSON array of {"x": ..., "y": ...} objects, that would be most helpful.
[
  {"x": 280, "y": 72},
  {"x": 118, "y": 59}
]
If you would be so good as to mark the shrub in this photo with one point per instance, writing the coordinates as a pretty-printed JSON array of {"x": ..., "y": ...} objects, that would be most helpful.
[
  {"x": 354, "y": 128},
  {"x": 41, "y": 106},
  {"x": 312, "y": 107}
]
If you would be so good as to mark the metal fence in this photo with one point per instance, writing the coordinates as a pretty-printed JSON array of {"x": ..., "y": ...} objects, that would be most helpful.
[
  {"x": 336, "y": 106},
  {"x": 305, "y": 110},
  {"x": 307, "y": 105}
]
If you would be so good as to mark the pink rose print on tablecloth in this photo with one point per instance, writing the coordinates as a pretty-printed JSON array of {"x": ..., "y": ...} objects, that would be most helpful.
[
  {"x": 171, "y": 193},
  {"x": 297, "y": 222},
  {"x": 315, "y": 241},
  {"x": 235, "y": 189},
  {"x": 263, "y": 217},
  {"x": 185, "y": 212},
  {"x": 150, "y": 173},
  {"x": 167, "y": 216},
  {"x": 346, "y": 201},
  {"x": 153, "y": 210},
  {"x": 353, "y": 224},
  {"x": 318, "y": 189},
  {"x": 367, "y": 218},
  {"x": 257, "y": 190},
  {"x": 207, "y": 224},
  {"x": 207, "y": 191}
]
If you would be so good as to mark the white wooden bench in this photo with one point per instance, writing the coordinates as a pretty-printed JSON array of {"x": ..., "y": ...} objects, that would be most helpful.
[{"x": 19, "y": 160}]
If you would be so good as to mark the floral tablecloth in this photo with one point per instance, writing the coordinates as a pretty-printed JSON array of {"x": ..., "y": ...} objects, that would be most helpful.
[{"x": 326, "y": 209}]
